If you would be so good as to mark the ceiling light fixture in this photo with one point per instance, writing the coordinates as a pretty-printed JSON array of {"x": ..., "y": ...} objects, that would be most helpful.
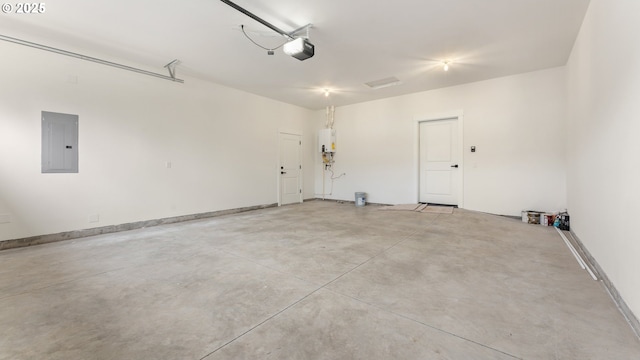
[
  {"x": 326, "y": 92},
  {"x": 298, "y": 47},
  {"x": 446, "y": 66}
]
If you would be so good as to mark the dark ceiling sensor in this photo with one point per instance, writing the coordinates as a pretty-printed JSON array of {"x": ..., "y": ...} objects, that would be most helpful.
[{"x": 298, "y": 47}]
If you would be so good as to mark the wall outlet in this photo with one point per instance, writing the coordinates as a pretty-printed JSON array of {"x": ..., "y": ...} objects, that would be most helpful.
[
  {"x": 5, "y": 218},
  {"x": 168, "y": 164},
  {"x": 94, "y": 218}
]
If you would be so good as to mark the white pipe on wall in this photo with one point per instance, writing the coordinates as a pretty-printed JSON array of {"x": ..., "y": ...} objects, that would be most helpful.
[{"x": 583, "y": 265}]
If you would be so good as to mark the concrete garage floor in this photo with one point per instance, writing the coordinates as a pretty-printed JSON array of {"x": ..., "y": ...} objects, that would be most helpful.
[{"x": 320, "y": 280}]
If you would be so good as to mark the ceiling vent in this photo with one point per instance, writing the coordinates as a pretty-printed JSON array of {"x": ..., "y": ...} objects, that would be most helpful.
[{"x": 383, "y": 83}]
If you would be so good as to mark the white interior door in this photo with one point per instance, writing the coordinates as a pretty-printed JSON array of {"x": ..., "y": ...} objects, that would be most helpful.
[
  {"x": 290, "y": 171},
  {"x": 439, "y": 180}
]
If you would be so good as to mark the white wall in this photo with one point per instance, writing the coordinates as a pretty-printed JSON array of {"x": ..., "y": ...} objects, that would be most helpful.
[
  {"x": 222, "y": 143},
  {"x": 517, "y": 124},
  {"x": 603, "y": 148}
]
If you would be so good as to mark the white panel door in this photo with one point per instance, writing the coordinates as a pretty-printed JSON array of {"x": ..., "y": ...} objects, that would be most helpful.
[
  {"x": 439, "y": 162},
  {"x": 290, "y": 169}
]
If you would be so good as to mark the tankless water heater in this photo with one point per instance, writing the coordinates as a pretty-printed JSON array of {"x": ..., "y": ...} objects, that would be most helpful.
[{"x": 327, "y": 140}]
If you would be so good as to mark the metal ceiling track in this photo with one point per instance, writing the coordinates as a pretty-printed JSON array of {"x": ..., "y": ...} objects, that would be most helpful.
[
  {"x": 170, "y": 66},
  {"x": 289, "y": 36}
]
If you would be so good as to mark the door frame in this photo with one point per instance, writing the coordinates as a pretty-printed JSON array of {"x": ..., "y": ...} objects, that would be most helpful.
[
  {"x": 278, "y": 163},
  {"x": 457, "y": 115}
]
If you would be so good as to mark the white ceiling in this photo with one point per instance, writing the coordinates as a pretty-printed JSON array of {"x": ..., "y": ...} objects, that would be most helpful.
[{"x": 356, "y": 41}]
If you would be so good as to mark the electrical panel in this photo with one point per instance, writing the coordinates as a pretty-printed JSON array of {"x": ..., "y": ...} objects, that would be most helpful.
[
  {"x": 327, "y": 140},
  {"x": 59, "y": 143}
]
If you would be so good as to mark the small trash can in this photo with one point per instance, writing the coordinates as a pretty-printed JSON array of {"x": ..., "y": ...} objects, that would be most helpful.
[{"x": 361, "y": 199}]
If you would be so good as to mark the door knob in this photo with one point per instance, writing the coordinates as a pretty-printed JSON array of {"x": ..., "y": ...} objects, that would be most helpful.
[
  {"x": 454, "y": 166},
  {"x": 283, "y": 172}
]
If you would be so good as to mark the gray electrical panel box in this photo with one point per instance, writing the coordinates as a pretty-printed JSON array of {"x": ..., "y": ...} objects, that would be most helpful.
[{"x": 59, "y": 143}]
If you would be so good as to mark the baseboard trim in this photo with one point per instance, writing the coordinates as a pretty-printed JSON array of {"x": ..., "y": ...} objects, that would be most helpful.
[
  {"x": 591, "y": 262},
  {"x": 75, "y": 234}
]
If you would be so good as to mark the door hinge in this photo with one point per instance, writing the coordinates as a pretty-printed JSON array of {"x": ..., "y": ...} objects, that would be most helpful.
[
  {"x": 300, "y": 142},
  {"x": 300, "y": 167},
  {"x": 300, "y": 191}
]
